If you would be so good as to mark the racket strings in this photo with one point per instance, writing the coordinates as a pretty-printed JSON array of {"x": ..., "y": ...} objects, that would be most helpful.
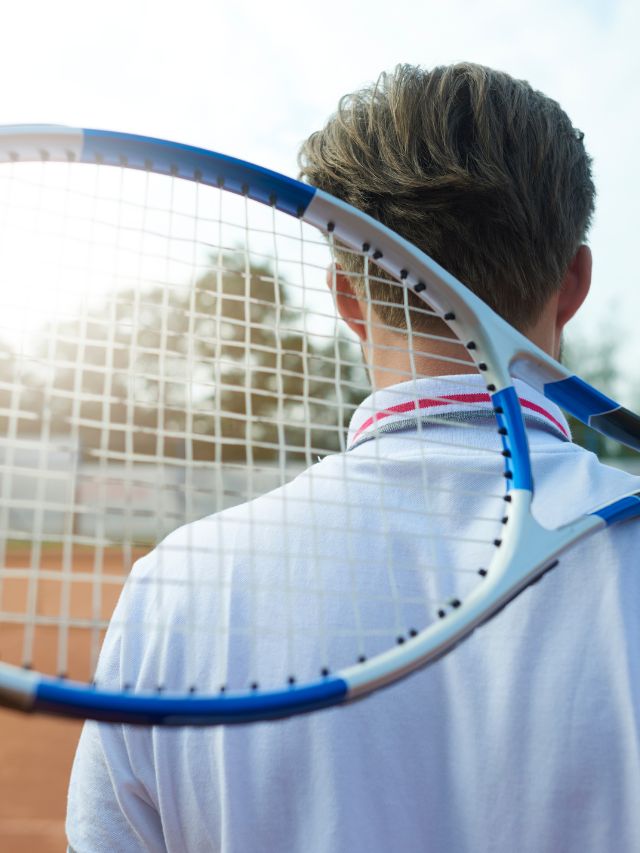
[
  {"x": 169, "y": 351},
  {"x": 434, "y": 515}
]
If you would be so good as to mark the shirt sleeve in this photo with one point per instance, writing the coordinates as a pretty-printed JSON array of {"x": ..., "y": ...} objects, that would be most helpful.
[
  {"x": 109, "y": 809},
  {"x": 111, "y": 805}
]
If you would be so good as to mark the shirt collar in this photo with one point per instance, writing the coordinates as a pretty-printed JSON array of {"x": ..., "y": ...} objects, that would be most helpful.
[{"x": 446, "y": 398}]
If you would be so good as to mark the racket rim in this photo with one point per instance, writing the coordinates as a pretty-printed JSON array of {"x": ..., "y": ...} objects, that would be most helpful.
[{"x": 494, "y": 340}]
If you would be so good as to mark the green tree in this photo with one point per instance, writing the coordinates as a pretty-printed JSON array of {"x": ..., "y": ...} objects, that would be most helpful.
[{"x": 221, "y": 370}]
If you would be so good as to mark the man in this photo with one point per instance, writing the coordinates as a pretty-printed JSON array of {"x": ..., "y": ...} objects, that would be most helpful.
[{"x": 526, "y": 737}]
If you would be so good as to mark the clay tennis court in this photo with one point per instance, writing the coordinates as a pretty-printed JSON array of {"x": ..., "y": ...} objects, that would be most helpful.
[
  {"x": 35, "y": 761},
  {"x": 36, "y": 753}
]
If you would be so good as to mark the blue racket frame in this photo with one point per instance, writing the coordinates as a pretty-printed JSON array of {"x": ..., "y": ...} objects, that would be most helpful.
[{"x": 34, "y": 692}]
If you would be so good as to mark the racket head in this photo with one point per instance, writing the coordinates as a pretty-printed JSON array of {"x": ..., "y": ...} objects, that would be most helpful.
[{"x": 171, "y": 261}]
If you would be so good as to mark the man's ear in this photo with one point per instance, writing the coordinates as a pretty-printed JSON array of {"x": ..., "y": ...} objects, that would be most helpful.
[
  {"x": 347, "y": 302},
  {"x": 575, "y": 287}
]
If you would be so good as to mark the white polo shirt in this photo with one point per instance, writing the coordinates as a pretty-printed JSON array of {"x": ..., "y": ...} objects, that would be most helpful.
[{"x": 526, "y": 738}]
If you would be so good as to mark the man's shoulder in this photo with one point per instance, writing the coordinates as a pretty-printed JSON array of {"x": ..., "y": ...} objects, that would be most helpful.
[
  {"x": 580, "y": 480},
  {"x": 321, "y": 484}
]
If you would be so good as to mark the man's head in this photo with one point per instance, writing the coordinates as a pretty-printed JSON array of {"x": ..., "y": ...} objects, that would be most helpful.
[{"x": 480, "y": 171}]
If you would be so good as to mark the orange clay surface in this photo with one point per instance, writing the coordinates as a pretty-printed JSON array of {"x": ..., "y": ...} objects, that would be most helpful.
[{"x": 36, "y": 752}]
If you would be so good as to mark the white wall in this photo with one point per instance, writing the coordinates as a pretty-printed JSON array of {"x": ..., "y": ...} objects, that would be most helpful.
[{"x": 49, "y": 491}]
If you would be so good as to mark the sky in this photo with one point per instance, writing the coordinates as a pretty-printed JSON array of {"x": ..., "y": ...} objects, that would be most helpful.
[{"x": 253, "y": 79}]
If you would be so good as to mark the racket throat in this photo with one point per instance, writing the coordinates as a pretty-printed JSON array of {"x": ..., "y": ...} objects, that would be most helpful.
[{"x": 528, "y": 549}]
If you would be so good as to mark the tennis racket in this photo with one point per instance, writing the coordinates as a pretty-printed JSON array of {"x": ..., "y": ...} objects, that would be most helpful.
[{"x": 169, "y": 350}]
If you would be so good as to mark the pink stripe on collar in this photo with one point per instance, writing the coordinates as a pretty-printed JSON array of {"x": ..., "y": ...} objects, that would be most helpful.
[
  {"x": 527, "y": 404},
  {"x": 447, "y": 400}
]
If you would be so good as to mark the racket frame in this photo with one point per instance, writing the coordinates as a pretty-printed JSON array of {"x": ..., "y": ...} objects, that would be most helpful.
[{"x": 528, "y": 549}]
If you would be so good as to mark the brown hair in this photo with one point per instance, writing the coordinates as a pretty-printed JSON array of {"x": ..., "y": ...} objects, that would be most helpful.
[{"x": 480, "y": 171}]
